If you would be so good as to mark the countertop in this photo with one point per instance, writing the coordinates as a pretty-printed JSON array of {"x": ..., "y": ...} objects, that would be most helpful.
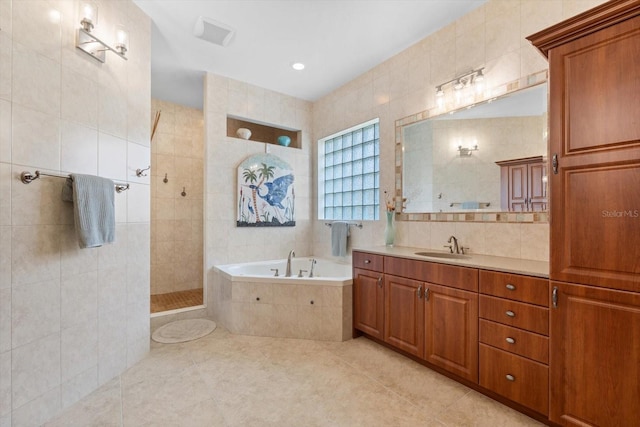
[{"x": 485, "y": 262}]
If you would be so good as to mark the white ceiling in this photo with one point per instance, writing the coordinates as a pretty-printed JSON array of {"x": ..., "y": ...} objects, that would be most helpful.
[{"x": 337, "y": 40}]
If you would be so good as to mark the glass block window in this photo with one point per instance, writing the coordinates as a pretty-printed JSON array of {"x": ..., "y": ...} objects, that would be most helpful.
[{"x": 349, "y": 174}]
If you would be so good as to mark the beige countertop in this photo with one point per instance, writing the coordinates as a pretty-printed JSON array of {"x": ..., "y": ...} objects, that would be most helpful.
[{"x": 485, "y": 262}]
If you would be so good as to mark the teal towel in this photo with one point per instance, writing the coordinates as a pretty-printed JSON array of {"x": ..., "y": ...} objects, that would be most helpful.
[
  {"x": 93, "y": 208},
  {"x": 339, "y": 234}
]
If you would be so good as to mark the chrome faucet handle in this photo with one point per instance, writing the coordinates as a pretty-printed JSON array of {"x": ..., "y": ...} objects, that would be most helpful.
[
  {"x": 450, "y": 248},
  {"x": 463, "y": 249},
  {"x": 276, "y": 270},
  {"x": 301, "y": 271}
]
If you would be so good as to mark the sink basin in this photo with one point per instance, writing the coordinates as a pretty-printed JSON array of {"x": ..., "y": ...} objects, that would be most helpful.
[{"x": 446, "y": 255}]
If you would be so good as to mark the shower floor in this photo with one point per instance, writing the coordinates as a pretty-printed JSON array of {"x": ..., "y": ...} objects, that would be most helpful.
[{"x": 175, "y": 300}]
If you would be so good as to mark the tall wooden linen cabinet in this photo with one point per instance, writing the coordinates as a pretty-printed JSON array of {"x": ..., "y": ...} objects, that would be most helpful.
[{"x": 594, "y": 142}]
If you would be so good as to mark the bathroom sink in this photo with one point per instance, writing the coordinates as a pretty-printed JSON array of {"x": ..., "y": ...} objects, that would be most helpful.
[{"x": 446, "y": 255}]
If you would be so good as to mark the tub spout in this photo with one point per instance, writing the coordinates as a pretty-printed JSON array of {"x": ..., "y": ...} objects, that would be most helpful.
[
  {"x": 292, "y": 254},
  {"x": 313, "y": 263}
]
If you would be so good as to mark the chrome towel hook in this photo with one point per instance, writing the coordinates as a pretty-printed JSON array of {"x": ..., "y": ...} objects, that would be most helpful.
[{"x": 140, "y": 172}]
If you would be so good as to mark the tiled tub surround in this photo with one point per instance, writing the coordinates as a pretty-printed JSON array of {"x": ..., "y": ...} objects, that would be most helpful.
[
  {"x": 70, "y": 319},
  {"x": 250, "y": 300}
]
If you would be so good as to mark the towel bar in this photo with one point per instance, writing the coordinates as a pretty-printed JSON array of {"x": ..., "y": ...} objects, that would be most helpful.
[
  {"x": 28, "y": 177},
  {"x": 351, "y": 224},
  {"x": 481, "y": 204}
]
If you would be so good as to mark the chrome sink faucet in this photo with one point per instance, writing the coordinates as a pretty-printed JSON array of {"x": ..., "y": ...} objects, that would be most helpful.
[
  {"x": 454, "y": 246},
  {"x": 292, "y": 254}
]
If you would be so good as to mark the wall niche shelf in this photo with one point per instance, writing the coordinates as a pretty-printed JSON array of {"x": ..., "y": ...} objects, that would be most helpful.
[{"x": 261, "y": 132}]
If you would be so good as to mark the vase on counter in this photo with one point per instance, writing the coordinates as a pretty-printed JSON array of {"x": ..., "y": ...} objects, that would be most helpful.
[{"x": 390, "y": 229}]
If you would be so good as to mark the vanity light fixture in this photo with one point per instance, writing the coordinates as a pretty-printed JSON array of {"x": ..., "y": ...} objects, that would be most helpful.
[
  {"x": 92, "y": 45},
  {"x": 471, "y": 79},
  {"x": 466, "y": 151},
  {"x": 298, "y": 66}
]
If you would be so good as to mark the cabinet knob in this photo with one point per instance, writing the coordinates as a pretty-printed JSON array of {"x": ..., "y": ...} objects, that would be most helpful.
[
  {"x": 511, "y": 287},
  {"x": 311, "y": 302},
  {"x": 367, "y": 261},
  {"x": 510, "y": 377},
  {"x": 257, "y": 298},
  {"x": 510, "y": 313},
  {"x": 510, "y": 340}
]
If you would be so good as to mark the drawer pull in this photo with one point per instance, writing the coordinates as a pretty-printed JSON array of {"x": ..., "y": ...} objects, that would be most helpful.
[
  {"x": 511, "y": 287},
  {"x": 510, "y": 377},
  {"x": 510, "y": 340},
  {"x": 367, "y": 261},
  {"x": 510, "y": 313}
]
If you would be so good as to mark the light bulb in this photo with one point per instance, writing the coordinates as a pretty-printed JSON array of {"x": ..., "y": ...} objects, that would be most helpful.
[
  {"x": 88, "y": 15},
  {"x": 122, "y": 40}
]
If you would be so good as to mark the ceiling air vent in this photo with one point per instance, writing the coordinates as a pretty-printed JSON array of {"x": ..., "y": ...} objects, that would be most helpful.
[{"x": 213, "y": 31}]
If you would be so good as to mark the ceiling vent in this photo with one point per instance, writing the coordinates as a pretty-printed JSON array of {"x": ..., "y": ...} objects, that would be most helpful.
[{"x": 213, "y": 31}]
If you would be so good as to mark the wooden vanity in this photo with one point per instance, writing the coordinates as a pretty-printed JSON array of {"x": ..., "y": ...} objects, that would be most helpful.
[{"x": 481, "y": 324}]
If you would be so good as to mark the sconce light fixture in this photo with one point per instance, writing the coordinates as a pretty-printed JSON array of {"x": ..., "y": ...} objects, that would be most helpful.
[
  {"x": 92, "y": 45},
  {"x": 473, "y": 78},
  {"x": 466, "y": 151}
]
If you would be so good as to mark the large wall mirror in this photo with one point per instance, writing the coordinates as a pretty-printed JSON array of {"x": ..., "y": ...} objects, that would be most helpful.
[{"x": 490, "y": 157}]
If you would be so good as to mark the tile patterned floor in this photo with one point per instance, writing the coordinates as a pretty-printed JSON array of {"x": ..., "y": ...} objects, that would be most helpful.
[
  {"x": 175, "y": 300},
  {"x": 234, "y": 380}
]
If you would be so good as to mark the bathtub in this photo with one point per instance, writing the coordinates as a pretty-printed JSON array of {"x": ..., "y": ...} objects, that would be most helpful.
[{"x": 249, "y": 299}]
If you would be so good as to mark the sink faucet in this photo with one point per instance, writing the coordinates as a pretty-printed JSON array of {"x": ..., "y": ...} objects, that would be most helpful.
[
  {"x": 292, "y": 254},
  {"x": 453, "y": 248}
]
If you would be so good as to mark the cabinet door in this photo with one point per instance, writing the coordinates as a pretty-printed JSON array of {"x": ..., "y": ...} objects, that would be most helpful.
[
  {"x": 368, "y": 302},
  {"x": 594, "y": 357},
  {"x": 595, "y": 135},
  {"x": 537, "y": 186},
  {"x": 518, "y": 188},
  {"x": 451, "y": 330},
  {"x": 404, "y": 314}
]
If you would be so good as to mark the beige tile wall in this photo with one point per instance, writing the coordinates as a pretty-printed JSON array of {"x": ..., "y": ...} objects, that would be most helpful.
[
  {"x": 176, "y": 221},
  {"x": 70, "y": 319},
  {"x": 226, "y": 243},
  {"x": 493, "y": 36}
]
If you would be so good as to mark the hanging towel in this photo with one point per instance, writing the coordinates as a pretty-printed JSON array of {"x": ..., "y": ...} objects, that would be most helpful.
[
  {"x": 93, "y": 208},
  {"x": 470, "y": 205},
  {"x": 339, "y": 234}
]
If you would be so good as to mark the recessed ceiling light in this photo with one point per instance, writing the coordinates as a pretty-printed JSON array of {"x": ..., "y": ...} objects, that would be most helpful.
[{"x": 298, "y": 66}]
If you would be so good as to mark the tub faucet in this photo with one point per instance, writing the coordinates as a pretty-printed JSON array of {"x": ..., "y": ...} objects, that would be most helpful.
[
  {"x": 292, "y": 254},
  {"x": 313, "y": 262}
]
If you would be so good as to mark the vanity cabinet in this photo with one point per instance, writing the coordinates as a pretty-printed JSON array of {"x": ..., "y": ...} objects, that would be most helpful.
[
  {"x": 514, "y": 338},
  {"x": 594, "y": 144},
  {"x": 523, "y": 185},
  {"x": 430, "y": 310}
]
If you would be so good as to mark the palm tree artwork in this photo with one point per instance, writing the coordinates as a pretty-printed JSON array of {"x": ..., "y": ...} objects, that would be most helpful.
[{"x": 271, "y": 203}]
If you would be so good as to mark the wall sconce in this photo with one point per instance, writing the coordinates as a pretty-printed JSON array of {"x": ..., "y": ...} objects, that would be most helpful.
[
  {"x": 466, "y": 151},
  {"x": 92, "y": 45}
]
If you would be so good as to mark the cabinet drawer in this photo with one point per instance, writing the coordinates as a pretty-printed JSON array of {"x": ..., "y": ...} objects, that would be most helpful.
[
  {"x": 464, "y": 278},
  {"x": 514, "y": 340},
  {"x": 526, "y": 316},
  {"x": 528, "y": 289},
  {"x": 516, "y": 378},
  {"x": 368, "y": 261}
]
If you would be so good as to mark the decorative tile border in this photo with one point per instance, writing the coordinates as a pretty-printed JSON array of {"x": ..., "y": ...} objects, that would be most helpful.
[{"x": 498, "y": 217}]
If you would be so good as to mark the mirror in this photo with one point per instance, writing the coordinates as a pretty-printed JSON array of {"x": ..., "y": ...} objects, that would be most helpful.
[{"x": 477, "y": 159}]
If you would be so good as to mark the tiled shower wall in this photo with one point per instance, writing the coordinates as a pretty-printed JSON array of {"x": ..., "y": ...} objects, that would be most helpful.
[
  {"x": 493, "y": 36},
  {"x": 226, "y": 243},
  {"x": 70, "y": 318},
  {"x": 177, "y": 238}
]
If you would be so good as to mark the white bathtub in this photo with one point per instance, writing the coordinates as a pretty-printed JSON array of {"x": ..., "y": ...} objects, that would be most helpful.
[
  {"x": 325, "y": 272},
  {"x": 249, "y": 299}
]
